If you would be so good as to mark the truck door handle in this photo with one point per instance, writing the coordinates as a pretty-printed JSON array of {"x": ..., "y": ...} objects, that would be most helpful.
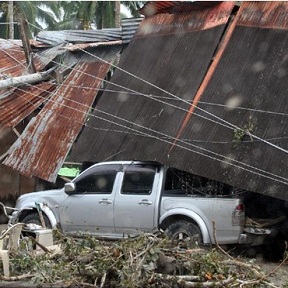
[
  {"x": 145, "y": 202},
  {"x": 105, "y": 201}
]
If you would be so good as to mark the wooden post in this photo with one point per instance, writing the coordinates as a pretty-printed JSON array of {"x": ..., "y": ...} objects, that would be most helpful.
[{"x": 26, "y": 44}]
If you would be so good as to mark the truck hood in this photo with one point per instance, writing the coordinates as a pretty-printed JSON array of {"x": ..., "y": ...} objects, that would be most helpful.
[{"x": 48, "y": 196}]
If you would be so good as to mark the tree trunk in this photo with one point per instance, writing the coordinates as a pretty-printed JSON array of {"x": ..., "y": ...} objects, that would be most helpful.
[
  {"x": 117, "y": 14},
  {"x": 11, "y": 19}
]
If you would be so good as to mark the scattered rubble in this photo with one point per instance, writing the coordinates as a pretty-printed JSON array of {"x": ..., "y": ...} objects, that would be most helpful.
[{"x": 150, "y": 260}]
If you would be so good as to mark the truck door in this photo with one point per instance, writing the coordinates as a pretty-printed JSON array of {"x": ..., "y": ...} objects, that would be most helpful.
[
  {"x": 90, "y": 208},
  {"x": 137, "y": 203}
]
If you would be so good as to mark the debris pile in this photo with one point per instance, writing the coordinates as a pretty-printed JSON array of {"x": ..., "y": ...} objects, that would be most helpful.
[{"x": 149, "y": 260}]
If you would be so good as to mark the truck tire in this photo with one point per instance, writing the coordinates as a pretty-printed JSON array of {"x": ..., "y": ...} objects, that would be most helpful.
[
  {"x": 34, "y": 218},
  {"x": 184, "y": 231}
]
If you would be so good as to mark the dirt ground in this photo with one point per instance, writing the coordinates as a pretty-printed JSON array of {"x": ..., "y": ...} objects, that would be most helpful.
[{"x": 278, "y": 276}]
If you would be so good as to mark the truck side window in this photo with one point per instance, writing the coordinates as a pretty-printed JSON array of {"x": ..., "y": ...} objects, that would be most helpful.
[
  {"x": 98, "y": 182},
  {"x": 138, "y": 182}
]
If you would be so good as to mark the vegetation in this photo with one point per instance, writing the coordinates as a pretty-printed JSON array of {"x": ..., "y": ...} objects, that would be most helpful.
[
  {"x": 146, "y": 261},
  {"x": 61, "y": 15}
]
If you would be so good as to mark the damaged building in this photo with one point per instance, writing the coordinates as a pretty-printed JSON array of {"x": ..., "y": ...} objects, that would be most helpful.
[{"x": 200, "y": 87}]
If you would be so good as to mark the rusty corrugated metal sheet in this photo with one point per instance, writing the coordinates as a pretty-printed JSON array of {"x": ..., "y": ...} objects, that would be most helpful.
[
  {"x": 12, "y": 59},
  {"x": 176, "y": 60},
  {"x": 43, "y": 146},
  {"x": 152, "y": 8},
  {"x": 266, "y": 14},
  {"x": 21, "y": 102}
]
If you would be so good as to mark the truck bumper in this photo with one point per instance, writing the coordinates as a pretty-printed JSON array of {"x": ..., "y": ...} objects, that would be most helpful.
[{"x": 254, "y": 236}]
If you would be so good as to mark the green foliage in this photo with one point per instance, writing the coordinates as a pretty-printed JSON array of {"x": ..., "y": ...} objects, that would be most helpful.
[
  {"x": 240, "y": 134},
  {"x": 76, "y": 15}
]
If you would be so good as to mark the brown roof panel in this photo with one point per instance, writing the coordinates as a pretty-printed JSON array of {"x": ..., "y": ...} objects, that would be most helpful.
[
  {"x": 43, "y": 146},
  {"x": 266, "y": 14},
  {"x": 22, "y": 101},
  {"x": 134, "y": 120},
  {"x": 12, "y": 60},
  {"x": 248, "y": 89},
  {"x": 156, "y": 7}
]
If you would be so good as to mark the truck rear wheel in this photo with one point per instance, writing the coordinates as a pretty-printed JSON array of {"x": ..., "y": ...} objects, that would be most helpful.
[
  {"x": 184, "y": 231},
  {"x": 34, "y": 218}
]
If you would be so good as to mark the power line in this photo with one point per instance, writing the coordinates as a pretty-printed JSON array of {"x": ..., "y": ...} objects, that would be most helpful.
[
  {"x": 228, "y": 161},
  {"x": 168, "y": 136},
  {"x": 169, "y": 98},
  {"x": 182, "y": 100}
]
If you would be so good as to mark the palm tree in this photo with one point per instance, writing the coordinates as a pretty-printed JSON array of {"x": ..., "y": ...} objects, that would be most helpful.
[
  {"x": 35, "y": 12},
  {"x": 133, "y": 6},
  {"x": 63, "y": 15},
  {"x": 90, "y": 14}
]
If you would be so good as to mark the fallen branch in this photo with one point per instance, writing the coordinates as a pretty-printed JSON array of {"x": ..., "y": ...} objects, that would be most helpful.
[
  {"x": 16, "y": 278},
  {"x": 233, "y": 261},
  {"x": 194, "y": 281}
]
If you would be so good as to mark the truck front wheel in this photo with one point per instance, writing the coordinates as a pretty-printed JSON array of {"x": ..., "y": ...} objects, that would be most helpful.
[
  {"x": 35, "y": 219},
  {"x": 184, "y": 231}
]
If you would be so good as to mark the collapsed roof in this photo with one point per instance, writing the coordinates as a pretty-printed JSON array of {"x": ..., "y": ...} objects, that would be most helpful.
[
  {"x": 201, "y": 89},
  {"x": 65, "y": 104}
]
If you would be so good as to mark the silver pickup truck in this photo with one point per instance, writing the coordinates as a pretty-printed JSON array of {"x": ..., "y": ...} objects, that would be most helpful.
[{"x": 124, "y": 198}]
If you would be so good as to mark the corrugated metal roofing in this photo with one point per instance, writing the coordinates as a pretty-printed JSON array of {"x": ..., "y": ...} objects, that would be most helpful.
[
  {"x": 17, "y": 104},
  {"x": 129, "y": 27},
  {"x": 125, "y": 33},
  {"x": 175, "y": 60},
  {"x": 251, "y": 74},
  {"x": 79, "y": 36},
  {"x": 46, "y": 56},
  {"x": 21, "y": 102},
  {"x": 156, "y": 7},
  {"x": 43, "y": 146},
  {"x": 12, "y": 59},
  {"x": 248, "y": 78}
]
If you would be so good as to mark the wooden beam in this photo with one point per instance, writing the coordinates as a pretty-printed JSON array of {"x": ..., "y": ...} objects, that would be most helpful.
[{"x": 23, "y": 27}]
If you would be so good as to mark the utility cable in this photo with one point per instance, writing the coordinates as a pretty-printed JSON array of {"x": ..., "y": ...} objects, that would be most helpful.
[
  {"x": 196, "y": 107},
  {"x": 169, "y": 142}
]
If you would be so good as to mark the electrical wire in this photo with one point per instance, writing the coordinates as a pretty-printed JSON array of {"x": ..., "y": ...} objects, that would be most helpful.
[
  {"x": 147, "y": 135},
  {"x": 228, "y": 161},
  {"x": 169, "y": 98},
  {"x": 195, "y": 106}
]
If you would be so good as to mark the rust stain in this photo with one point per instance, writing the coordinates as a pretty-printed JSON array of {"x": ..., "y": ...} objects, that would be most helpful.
[
  {"x": 266, "y": 14},
  {"x": 22, "y": 102},
  {"x": 42, "y": 148},
  {"x": 165, "y": 24},
  {"x": 12, "y": 59},
  {"x": 12, "y": 62}
]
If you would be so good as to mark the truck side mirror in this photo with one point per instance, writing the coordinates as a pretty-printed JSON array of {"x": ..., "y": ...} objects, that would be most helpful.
[{"x": 70, "y": 188}]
